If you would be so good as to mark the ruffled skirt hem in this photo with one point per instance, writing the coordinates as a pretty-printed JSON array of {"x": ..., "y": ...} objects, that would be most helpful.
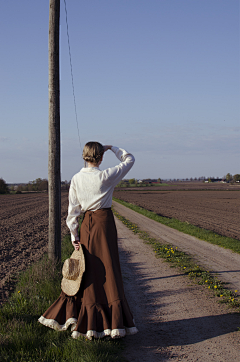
[
  {"x": 113, "y": 333},
  {"x": 51, "y": 323}
]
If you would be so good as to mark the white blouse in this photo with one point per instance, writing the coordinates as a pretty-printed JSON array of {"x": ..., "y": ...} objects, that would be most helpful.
[{"x": 92, "y": 189}]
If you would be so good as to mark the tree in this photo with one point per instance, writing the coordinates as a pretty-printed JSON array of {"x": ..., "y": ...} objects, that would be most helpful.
[
  {"x": 236, "y": 177},
  {"x": 132, "y": 181},
  {"x": 43, "y": 185},
  {"x": 3, "y": 187},
  {"x": 229, "y": 177},
  {"x": 19, "y": 189},
  {"x": 159, "y": 180},
  {"x": 121, "y": 184}
]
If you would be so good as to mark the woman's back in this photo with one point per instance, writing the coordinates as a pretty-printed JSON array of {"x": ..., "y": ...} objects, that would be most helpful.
[{"x": 92, "y": 189}]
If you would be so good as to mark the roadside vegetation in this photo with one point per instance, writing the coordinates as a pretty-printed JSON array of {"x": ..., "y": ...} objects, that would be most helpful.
[
  {"x": 23, "y": 338},
  {"x": 183, "y": 261},
  {"x": 187, "y": 228},
  {"x": 36, "y": 185},
  {"x": 229, "y": 178}
]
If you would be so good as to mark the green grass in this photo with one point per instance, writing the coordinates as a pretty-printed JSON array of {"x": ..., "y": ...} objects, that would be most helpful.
[
  {"x": 23, "y": 338},
  {"x": 184, "y": 262},
  {"x": 185, "y": 227}
]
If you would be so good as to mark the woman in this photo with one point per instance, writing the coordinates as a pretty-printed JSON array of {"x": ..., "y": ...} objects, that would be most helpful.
[{"x": 99, "y": 308}]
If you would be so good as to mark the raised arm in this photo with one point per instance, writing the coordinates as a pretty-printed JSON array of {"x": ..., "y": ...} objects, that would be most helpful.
[{"x": 117, "y": 173}]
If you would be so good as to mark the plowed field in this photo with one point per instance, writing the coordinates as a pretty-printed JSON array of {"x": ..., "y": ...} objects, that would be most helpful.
[
  {"x": 218, "y": 211},
  {"x": 23, "y": 233}
]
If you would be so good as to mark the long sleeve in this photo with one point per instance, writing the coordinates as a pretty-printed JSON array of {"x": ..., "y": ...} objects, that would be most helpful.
[
  {"x": 116, "y": 174},
  {"x": 74, "y": 210}
]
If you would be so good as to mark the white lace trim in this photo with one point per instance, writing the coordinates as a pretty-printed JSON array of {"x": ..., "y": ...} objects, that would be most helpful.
[
  {"x": 113, "y": 333},
  {"x": 55, "y": 325}
]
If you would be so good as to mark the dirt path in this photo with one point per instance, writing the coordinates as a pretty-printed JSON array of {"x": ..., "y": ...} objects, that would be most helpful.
[
  {"x": 177, "y": 320},
  {"x": 222, "y": 261}
]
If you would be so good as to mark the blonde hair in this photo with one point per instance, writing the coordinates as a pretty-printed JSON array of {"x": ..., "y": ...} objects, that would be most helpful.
[{"x": 93, "y": 152}]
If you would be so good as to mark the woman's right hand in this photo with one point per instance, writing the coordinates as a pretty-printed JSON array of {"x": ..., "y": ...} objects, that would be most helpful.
[
  {"x": 76, "y": 244},
  {"x": 107, "y": 147}
]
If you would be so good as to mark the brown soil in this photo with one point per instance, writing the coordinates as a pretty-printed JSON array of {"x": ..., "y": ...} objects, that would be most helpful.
[
  {"x": 210, "y": 209},
  {"x": 23, "y": 233}
]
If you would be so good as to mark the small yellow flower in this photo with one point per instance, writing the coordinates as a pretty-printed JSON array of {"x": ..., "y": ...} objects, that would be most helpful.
[
  {"x": 206, "y": 281},
  {"x": 235, "y": 291},
  {"x": 221, "y": 295},
  {"x": 209, "y": 287},
  {"x": 215, "y": 286},
  {"x": 19, "y": 291}
]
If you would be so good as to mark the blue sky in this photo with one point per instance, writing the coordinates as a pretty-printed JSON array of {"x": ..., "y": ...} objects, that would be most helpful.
[{"x": 159, "y": 78}]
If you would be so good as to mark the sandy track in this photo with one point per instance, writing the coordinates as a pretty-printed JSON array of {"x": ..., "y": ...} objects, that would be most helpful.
[
  {"x": 177, "y": 320},
  {"x": 23, "y": 233}
]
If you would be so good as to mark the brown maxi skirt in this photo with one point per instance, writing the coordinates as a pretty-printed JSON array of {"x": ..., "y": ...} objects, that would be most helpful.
[{"x": 99, "y": 308}]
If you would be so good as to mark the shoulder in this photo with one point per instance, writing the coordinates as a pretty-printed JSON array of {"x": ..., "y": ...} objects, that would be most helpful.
[{"x": 76, "y": 177}]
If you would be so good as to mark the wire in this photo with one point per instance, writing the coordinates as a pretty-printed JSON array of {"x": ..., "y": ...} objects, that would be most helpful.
[{"x": 70, "y": 57}]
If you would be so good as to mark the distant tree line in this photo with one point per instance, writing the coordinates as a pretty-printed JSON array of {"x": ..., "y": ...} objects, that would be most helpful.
[
  {"x": 151, "y": 182},
  {"x": 36, "y": 185},
  {"x": 42, "y": 184},
  {"x": 132, "y": 182},
  {"x": 234, "y": 178},
  {"x": 39, "y": 185}
]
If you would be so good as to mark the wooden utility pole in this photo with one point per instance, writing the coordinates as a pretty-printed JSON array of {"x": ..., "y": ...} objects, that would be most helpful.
[{"x": 54, "y": 175}]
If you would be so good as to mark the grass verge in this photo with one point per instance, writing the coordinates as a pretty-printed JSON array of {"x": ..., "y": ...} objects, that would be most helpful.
[
  {"x": 23, "y": 338},
  {"x": 184, "y": 262},
  {"x": 185, "y": 227}
]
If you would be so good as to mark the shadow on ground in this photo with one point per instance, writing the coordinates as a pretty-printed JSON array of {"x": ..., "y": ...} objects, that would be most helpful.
[{"x": 155, "y": 334}]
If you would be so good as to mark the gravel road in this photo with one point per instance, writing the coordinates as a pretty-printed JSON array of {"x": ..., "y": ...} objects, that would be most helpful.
[{"x": 177, "y": 320}]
